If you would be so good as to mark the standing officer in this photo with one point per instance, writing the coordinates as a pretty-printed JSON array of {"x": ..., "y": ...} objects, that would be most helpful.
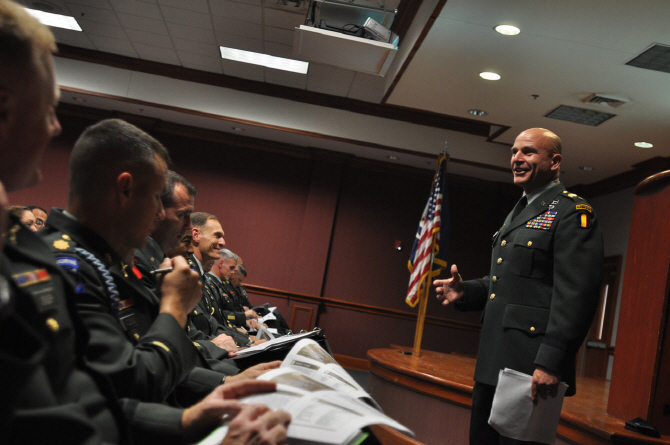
[{"x": 543, "y": 289}]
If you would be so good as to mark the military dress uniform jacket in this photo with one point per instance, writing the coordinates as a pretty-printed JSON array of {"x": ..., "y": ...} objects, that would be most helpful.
[
  {"x": 543, "y": 289},
  {"x": 149, "y": 258},
  {"x": 48, "y": 394},
  {"x": 228, "y": 302},
  {"x": 202, "y": 323},
  {"x": 144, "y": 353}
]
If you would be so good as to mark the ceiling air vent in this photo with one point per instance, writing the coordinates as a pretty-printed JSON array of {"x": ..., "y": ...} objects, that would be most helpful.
[
  {"x": 579, "y": 115},
  {"x": 605, "y": 100},
  {"x": 656, "y": 58}
]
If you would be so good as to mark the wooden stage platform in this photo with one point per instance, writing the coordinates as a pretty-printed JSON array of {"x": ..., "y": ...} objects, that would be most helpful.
[{"x": 431, "y": 395}]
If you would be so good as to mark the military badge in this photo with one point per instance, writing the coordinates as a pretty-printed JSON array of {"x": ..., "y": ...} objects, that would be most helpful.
[
  {"x": 584, "y": 220},
  {"x": 542, "y": 222},
  {"x": 61, "y": 244},
  {"x": 32, "y": 277},
  {"x": 584, "y": 207}
]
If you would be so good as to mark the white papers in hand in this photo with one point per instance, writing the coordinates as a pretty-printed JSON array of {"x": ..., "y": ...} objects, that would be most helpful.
[{"x": 514, "y": 415}]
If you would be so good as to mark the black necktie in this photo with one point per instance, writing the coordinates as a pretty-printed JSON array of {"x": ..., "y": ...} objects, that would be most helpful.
[{"x": 519, "y": 206}]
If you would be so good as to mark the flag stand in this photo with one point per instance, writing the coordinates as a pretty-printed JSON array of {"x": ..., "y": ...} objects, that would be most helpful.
[
  {"x": 421, "y": 317},
  {"x": 423, "y": 297}
]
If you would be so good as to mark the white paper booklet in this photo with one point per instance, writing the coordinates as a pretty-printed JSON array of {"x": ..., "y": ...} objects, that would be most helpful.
[
  {"x": 514, "y": 415},
  {"x": 327, "y": 405}
]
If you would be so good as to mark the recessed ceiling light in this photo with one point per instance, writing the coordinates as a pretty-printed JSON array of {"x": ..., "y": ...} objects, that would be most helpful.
[
  {"x": 55, "y": 20},
  {"x": 644, "y": 144},
  {"x": 489, "y": 76},
  {"x": 507, "y": 30},
  {"x": 476, "y": 112},
  {"x": 393, "y": 158},
  {"x": 278, "y": 63}
]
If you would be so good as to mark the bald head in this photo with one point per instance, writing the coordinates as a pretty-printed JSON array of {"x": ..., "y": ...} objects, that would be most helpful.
[{"x": 536, "y": 158}]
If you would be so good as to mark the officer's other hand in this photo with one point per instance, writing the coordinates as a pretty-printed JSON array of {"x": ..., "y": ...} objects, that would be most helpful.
[
  {"x": 258, "y": 425},
  {"x": 226, "y": 342},
  {"x": 253, "y": 372},
  {"x": 451, "y": 289},
  {"x": 220, "y": 405},
  {"x": 180, "y": 289},
  {"x": 544, "y": 383}
]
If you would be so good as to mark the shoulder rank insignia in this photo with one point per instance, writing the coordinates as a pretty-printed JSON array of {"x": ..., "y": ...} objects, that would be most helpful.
[
  {"x": 32, "y": 277},
  {"x": 61, "y": 244},
  {"x": 544, "y": 221},
  {"x": 584, "y": 220}
]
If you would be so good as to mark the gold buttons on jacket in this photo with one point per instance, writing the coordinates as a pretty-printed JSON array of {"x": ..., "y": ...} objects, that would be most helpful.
[
  {"x": 530, "y": 243},
  {"x": 504, "y": 243},
  {"x": 52, "y": 325},
  {"x": 499, "y": 260},
  {"x": 492, "y": 296},
  {"x": 532, "y": 329},
  {"x": 494, "y": 278}
]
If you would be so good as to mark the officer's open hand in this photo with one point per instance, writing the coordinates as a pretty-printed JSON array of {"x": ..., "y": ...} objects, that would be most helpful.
[
  {"x": 254, "y": 371},
  {"x": 451, "y": 289},
  {"x": 180, "y": 289},
  {"x": 544, "y": 383}
]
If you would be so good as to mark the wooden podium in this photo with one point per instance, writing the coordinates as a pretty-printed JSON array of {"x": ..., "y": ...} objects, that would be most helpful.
[{"x": 640, "y": 385}]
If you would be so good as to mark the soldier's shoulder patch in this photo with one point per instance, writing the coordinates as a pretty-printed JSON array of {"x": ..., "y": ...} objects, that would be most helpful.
[
  {"x": 68, "y": 263},
  {"x": 584, "y": 207},
  {"x": 584, "y": 220}
]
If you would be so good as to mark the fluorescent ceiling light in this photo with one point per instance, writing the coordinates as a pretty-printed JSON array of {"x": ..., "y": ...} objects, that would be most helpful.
[
  {"x": 278, "y": 63},
  {"x": 55, "y": 20},
  {"x": 507, "y": 30},
  {"x": 489, "y": 76},
  {"x": 644, "y": 145}
]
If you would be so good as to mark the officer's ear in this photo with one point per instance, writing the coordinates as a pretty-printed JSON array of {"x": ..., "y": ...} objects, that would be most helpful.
[
  {"x": 123, "y": 187},
  {"x": 556, "y": 159}
]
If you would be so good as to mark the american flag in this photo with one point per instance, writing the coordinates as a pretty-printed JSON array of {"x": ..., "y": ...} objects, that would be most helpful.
[{"x": 429, "y": 253}]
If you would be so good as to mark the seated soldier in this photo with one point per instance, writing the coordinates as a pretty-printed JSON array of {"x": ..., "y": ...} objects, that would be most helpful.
[
  {"x": 40, "y": 216},
  {"x": 23, "y": 214},
  {"x": 117, "y": 174}
]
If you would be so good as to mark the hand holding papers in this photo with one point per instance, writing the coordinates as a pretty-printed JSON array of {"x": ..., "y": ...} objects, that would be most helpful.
[
  {"x": 326, "y": 404},
  {"x": 514, "y": 415}
]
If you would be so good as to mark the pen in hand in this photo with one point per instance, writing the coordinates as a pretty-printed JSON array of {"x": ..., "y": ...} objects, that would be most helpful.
[{"x": 163, "y": 270}]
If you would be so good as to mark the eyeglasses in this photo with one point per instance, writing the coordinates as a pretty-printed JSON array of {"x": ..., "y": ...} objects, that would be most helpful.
[{"x": 39, "y": 223}]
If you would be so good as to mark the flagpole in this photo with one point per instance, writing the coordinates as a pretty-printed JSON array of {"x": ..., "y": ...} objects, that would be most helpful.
[{"x": 423, "y": 299}]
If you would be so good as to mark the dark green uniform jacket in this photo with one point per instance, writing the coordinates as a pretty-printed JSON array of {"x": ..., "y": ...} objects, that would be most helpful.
[
  {"x": 145, "y": 354},
  {"x": 543, "y": 289}
]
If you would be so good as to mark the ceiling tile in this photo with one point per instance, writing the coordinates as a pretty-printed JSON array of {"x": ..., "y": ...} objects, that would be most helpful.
[
  {"x": 97, "y": 15},
  {"x": 137, "y": 8},
  {"x": 196, "y": 34},
  {"x": 92, "y": 28},
  {"x": 203, "y": 49},
  {"x": 227, "y": 26},
  {"x": 104, "y": 4},
  {"x": 197, "y": 61},
  {"x": 238, "y": 11},
  {"x": 329, "y": 80},
  {"x": 191, "y": 5},
  {"x": 157, "y": 54},
  {"x": 239, "y": 42},
  {"x": 243, "y": 70},
  {"x": 283, "y": 19},
  {"x": 143, "y": 23},
  {"x": 279, "y": 35},
  {"x": 149, "y": 38},
  {"x": 186, "y": 17},
  {"x": 116, "y": 46},
  {"x": 285, "y": 78},
  {"x": 73, "y": 38},
  {"x": 275, "y": 49}
]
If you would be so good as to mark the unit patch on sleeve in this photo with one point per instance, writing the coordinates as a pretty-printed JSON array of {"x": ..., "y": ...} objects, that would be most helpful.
[
  {"x": 584, "y": 207},
  {"x": 584, "y": 220},
  {"x": 544, "y": 221}
]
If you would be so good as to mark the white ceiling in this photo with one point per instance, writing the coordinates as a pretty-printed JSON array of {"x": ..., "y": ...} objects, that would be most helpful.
[{"x": 566, "y": 50}]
